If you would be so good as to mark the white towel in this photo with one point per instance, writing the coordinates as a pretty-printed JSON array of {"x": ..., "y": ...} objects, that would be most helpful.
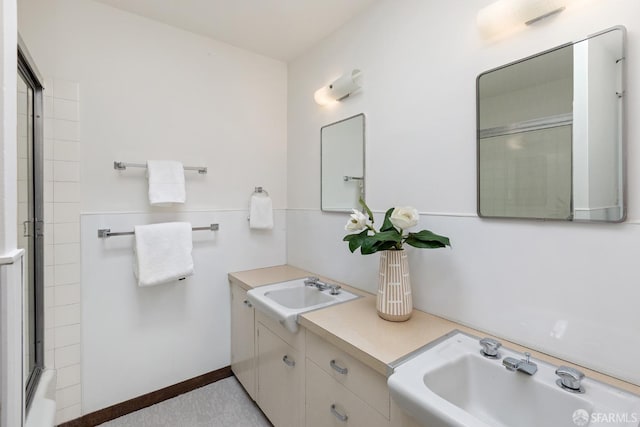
[
  {"x": 166, "y": 182},
  {"x": 261, "y": 212},
  {"x": 162, "y": 253}
]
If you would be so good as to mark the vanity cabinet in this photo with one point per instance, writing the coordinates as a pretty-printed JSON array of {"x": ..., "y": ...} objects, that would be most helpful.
[
  {"x": 281, "y": 369},
  {"x": 400, "y": 418},
  {"x": 243, "y": 361},
  {"x": 300, "y": 379},
  {"x": 341, "y": 390}
]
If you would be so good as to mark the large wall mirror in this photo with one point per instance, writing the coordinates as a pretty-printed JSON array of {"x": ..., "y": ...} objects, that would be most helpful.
[
  {"x": 342, "y": 164},
  {"x": 550, "y": 133}
]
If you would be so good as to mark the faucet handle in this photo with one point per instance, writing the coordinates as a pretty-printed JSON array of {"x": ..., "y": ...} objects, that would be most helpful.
[
  {"x": 490, "y": 348},
  {"x": 311, "y": 280},
  {"x": 570, "y": 379}
]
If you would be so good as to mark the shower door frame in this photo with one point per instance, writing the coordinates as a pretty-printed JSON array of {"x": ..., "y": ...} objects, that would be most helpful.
[{"x": 29, "y": 73}]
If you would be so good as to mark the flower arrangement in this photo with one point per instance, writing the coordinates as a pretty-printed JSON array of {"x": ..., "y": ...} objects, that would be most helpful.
[{"x": 391, "y": 235}]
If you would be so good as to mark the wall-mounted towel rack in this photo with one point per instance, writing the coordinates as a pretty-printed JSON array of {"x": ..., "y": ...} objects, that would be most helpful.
[
  {"x": 124, "y": 165},
  {"x": 260, "y": 190},
  {"x": 103, "y": 233}
]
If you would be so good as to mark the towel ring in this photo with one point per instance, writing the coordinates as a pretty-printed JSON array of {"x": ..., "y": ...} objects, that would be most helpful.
[{"x": 260, "y": 190}]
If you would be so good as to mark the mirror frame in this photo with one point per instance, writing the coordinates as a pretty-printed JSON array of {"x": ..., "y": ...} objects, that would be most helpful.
[
  {"x": 364, "y": 163},
  {"x": 622, "y": 129}
]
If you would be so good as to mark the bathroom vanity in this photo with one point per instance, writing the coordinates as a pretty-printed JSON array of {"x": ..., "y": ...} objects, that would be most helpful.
[{"x": 334, "y": 369}]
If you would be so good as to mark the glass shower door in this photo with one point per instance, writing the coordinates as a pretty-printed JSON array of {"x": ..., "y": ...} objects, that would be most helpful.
[{"x": 30, "y": 221}]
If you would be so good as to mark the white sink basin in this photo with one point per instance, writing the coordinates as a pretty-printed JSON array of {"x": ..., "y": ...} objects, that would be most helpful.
[
  {"x": 286, "y": 300},
  {"x": 452, "y": 384},
  {"x": 298, "y": 297}
]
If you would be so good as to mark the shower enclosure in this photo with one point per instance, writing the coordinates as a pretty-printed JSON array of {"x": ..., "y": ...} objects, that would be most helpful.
[{"x": 30, "y": 216}]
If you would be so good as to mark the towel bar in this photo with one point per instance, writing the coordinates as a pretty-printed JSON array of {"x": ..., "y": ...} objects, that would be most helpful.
[
  {"x": 103, "y": 233},
  {"x": 124, "y": 165}
]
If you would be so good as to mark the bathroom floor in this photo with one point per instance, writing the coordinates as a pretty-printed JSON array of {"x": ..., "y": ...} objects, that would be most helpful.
[{"x": 223, "y": 403}]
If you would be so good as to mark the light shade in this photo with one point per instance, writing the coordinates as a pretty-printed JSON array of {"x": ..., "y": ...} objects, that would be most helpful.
[
  {"x": 503, "y": 15},
  {"x": 338, "y": 89}
]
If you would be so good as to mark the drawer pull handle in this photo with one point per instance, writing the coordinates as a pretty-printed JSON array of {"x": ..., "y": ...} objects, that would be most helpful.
[
  {"x": 247, "y": 303},
  {"x": 288, "y": 361},
  {"x": 338, "y": 369},
  {"x": 338, "y": 415}
]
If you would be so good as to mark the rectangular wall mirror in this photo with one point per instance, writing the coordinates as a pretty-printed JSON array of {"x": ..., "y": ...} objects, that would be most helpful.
[
  {"x": 342, "y": 164},
  {"x": 550, "y": 133}
]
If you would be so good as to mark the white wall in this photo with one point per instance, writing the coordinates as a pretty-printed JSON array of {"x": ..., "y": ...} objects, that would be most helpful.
[
  {"x": 11, "y": 335},
  {"x": 11, "y": 259},
  {"x": 564, "y": 288},
  {"x": 8, "y": 132},
  {"x": 136, "y": 340},
  {"x": 151, "y": 91},
  {"x": 62, "y": 289}
]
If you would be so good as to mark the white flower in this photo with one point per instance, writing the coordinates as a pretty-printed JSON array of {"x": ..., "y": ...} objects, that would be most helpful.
[
  {"x": 357, "y": 222},
  {"x": 404, "y": 217}
]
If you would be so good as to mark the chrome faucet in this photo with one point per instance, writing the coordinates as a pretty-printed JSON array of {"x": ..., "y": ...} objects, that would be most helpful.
[
  {"x": 314, "y": 281},
  {"x": 490, "y": 348},
  {"x": 570, "y": 379},
  {"x": 522, "y": 365},
  {"x": 311, "y": 281},
  {"x": 335, "y": 289}
]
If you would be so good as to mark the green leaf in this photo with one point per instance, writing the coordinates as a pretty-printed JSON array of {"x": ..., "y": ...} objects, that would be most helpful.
[
  {"x": 387, "y": 225},
  {"x": 355, "y": 240},
  {"x": 424, "y": 245},
  {"x": 368, "y": 246},
  {"x": 384, "y": 246},
  {"x": 427, "y": 239},
  {"x": 391, "y": 235},
  {"x": 366, "y": 209}
]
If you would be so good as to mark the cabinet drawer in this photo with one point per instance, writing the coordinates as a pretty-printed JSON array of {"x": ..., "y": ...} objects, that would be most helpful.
[
  {"x": 330, "y": 404},
  {"x": 363, "y": 381}
]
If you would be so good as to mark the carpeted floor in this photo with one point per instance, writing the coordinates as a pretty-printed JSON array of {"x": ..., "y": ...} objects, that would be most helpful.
[{"x": 223, "y": 403}]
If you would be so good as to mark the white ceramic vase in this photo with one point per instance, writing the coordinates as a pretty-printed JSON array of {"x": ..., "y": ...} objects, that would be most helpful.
[{"x": 394, "y": 302}]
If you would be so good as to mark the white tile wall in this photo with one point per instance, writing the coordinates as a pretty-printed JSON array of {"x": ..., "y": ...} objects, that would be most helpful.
[
  {"x": 67, "y": 294},
  {"x": 66, "y": 274},
  {"x": 65, "y": 110},
  {"x": 66, "y": 130},
  {"x": 68, "y": 395},
  {"x": 66, "y": 336},
  {"x": 66, "y": 253},
  {"x": 66, "y": 171},
  {"x": 66, "y": 90},
  {"x": 68, "y": 413},
  {"x": 67, "y": 356},
  {"x": 62, "y": 243},
  {"x": 65, "y": 212},
  {"x": 68, "y": 232},
  {"x": 66, "y": 191},
  {"x": 66, "y": 150}
]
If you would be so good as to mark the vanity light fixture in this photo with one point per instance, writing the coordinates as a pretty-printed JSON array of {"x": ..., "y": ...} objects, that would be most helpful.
[
  {"x": 503, "y": 15},
  {"x": 339, "y": 89}
]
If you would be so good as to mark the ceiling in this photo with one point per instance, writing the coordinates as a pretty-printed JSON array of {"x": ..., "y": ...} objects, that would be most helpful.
[{"x": 281, "y": 29}]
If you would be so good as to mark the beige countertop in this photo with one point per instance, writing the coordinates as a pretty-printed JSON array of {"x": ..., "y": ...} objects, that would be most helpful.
[{"x": 356, "y": 328}]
